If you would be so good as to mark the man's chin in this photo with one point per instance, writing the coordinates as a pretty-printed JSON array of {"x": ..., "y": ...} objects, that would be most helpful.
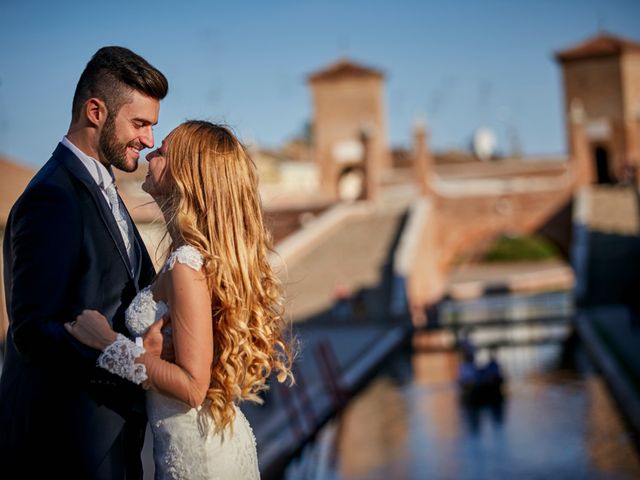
[
  {"x": 127, "y": 165},
  {"x": 131, "y": 166}
]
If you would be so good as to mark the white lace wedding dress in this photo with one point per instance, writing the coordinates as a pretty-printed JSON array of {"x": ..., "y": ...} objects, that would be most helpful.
[{"x": 185, "y": 445}]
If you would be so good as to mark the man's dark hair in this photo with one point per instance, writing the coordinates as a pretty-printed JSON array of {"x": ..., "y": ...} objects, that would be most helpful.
[{"x": 109, "y": 76}]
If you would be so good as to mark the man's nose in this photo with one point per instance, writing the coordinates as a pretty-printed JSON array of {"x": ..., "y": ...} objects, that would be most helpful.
[{"x": 147, "y": 138}]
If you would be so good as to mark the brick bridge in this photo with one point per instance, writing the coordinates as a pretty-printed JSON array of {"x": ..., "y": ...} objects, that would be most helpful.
[{"x": 349, "y": 248}]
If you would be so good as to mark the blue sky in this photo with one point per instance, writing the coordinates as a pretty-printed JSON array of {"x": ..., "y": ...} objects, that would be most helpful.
[{"x": 459, "y": 64}]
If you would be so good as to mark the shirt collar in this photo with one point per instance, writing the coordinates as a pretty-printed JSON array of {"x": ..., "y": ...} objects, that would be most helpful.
[{"x": 102, "y": 175}]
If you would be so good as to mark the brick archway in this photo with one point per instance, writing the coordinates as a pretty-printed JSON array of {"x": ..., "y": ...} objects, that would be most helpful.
[
  {"x": 352, "y": 183},
  {"x": 601, "y": 159}
]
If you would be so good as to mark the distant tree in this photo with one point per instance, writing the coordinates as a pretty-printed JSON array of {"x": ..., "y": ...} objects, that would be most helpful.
[{"x": 516, "y": 248}]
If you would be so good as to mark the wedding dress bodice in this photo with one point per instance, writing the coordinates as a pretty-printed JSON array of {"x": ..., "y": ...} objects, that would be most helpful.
[
  {"x": 185, "y": 444},
  {"x": 144, "y": 310}
]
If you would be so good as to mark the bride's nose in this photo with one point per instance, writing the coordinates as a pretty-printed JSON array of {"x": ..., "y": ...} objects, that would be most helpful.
[{"x": 151, "y": 155}]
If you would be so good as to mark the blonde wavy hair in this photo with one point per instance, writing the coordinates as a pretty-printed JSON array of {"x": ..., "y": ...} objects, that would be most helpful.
[{"x": 215, "y": 206}]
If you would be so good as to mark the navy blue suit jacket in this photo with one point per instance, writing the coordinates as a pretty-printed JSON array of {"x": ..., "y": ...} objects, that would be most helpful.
[{"x": 63, "y": 253}]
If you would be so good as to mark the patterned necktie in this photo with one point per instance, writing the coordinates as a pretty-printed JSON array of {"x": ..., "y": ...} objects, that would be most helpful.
[{"x": 122, "y": 219}]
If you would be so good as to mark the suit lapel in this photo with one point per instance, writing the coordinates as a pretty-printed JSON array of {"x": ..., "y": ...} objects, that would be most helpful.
[
  {"x": 145, "y": 271},
  {"x": 77, "y": 169}
]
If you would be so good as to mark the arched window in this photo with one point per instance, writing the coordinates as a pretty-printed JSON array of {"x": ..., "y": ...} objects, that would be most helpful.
[{"x": 351, "y": 184}]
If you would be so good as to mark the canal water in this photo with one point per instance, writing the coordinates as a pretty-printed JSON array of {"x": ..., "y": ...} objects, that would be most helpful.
[{"x": 556, "y": 420}]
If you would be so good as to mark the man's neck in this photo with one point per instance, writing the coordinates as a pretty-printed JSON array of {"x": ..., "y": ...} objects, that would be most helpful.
[
  {"x": 86, "y": 141},
  {"x": 102, "y": 176}
]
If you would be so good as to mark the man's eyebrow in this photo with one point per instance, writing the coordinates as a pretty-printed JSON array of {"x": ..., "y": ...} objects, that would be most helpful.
[{"x": 145, "y": 121}]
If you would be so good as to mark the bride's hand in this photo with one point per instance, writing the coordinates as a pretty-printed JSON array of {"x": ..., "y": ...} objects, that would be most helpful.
[
  {"x": 152, "y": 339},
  {"x": 92, "y": 329},
  {"x": 168, "y": 351}
]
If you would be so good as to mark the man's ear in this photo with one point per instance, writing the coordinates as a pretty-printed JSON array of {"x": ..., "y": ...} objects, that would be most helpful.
[{"x": 95, "y": 111}]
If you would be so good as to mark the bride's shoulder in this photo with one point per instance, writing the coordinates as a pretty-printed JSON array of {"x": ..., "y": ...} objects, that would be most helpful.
[{"x": 185, "y": 255}]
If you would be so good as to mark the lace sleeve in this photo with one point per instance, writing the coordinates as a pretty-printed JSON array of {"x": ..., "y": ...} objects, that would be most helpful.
[
  {"x": 119, "y": 359},
  {"x": 187, "y": 255}
]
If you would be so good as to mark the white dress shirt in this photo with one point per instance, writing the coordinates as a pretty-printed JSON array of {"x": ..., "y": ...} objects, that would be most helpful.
[
  {"x": 103, "y": 177},
  {"x": 98, "y": 172}
]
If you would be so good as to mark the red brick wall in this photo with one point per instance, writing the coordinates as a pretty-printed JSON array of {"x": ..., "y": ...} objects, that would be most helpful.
[
  {"x": 285, "y": 221},
  {"x": 466, "y": 225},
  {"x": 631, "y": 95},
  {"x": 342, "y": 107},
  {"x": 609, "y": 88}
]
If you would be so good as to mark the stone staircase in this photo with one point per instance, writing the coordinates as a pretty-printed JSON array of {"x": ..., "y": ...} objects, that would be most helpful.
[{"x": 351, "y": 259}]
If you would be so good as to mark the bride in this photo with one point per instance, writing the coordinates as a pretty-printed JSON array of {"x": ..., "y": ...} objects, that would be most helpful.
[{"x": 224, "y": 303}]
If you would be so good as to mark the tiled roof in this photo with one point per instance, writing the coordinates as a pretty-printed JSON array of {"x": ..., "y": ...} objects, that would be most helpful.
[
  {"x": 603, "y": 44},
  {"x": 344, "y": 68},
  {"x": 15, "y": 178}
]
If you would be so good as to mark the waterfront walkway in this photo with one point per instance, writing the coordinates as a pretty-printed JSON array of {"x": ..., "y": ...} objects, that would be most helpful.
[{"x": 612, "y": 337}]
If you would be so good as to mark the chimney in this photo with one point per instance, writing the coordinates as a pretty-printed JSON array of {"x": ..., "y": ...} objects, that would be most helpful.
[
  {"x": 370, "y": 163},
  {"x": 422, "y": 159}
]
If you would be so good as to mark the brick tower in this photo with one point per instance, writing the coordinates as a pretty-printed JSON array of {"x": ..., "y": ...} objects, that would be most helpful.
[
  {"x": 602, "y": 87},
  {"x": 349, "y": 129}
]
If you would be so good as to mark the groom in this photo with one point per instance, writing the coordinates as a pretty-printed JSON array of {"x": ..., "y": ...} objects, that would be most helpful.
[{"x": 70, "y": 244}]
